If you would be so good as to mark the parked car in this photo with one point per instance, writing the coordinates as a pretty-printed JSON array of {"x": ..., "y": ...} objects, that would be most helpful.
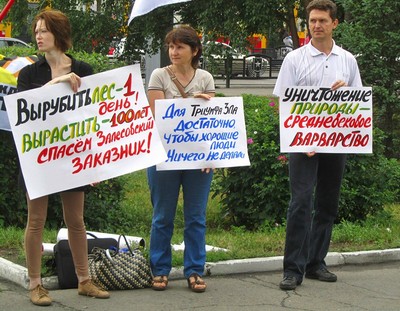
[
  {"x": 214, "y": 58},
  {"x": 117, "y": 49},
  {"x": 215, "y": 55},
  {"x": 6, "y": 42}
]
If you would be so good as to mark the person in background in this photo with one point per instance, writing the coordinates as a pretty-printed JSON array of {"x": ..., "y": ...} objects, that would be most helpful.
[
  {"x": 52, "y": 31},
  {"x": 288, "y": 41},
  {"x": 184, "y": 49},
  {"x": 315, "y": 179}
]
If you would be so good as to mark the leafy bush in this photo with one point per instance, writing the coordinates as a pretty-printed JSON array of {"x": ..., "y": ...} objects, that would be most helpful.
[
  {"x": 12, "y": 203},
  {"x": 371, "y": 32},
  {"x": 98, "y": 62},
  {"x": 259, "y": 194},
  {"x": 102, "y": 207},
  {"x": 17, "y": 51},
  {"x": 253, "y": 195},
  {"x": 370, "y": 181}
]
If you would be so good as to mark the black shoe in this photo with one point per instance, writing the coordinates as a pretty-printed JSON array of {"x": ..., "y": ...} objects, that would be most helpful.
[
  {"x": 322, "y": 274},
  {"x": 289, "y": 283}
]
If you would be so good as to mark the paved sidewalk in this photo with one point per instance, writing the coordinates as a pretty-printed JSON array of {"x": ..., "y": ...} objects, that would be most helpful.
[
  {"x": 373, "y": 287},
  {"x": 232, "y": 282},
  {"x": 263, "y": 87}
]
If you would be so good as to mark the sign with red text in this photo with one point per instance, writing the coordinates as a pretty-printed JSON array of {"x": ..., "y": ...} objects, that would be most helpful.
[
  {"x": 326, "y": 121},
  {"x": 66, "y": 140},
  {"x": 198, "y": 133}
]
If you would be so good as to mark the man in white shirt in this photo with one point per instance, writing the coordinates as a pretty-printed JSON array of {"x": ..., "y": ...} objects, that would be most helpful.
[{"x": 315, "y": 179}]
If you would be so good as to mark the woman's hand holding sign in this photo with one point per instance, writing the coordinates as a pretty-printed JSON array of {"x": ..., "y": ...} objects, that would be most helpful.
[
  {"x": 73, "y": 79},
  {"x": 202, "y": 95}
]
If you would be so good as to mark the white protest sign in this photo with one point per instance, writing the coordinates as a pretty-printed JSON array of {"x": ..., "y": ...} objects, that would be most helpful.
[
  {"x": 198, "y": 133},
  {"x": 326, "y": 121},
  {"x": 65, "y": 139}
]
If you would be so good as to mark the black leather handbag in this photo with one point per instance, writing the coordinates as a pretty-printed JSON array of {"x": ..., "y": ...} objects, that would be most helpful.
[{"x": 65, "y": 268}]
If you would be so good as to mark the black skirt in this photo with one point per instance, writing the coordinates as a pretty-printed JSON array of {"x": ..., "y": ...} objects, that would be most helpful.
[{"x": 21, "y": 183}]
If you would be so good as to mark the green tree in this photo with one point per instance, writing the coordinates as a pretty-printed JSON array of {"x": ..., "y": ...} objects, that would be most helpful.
[
  {"x": 17, "y": 13},
  {"x": 237, "y": 19},
  {"x": 92, "y": 29},
  {"x": 371, "y": 31}
]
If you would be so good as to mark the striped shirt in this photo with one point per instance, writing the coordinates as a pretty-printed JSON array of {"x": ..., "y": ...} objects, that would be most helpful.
[{"x": 307, "y": 66}]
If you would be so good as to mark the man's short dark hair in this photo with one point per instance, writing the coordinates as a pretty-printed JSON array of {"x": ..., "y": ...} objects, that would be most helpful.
[{"x": 323, "y": 5}]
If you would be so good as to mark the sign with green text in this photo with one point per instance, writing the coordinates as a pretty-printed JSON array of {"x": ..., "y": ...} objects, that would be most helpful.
[
  {"x": 327, "y": 121},
  {"x": 65, "y": 139}
]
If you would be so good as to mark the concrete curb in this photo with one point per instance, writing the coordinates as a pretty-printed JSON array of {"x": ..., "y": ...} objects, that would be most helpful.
[
  {"x": 19, "y": 275},
  {"x": 13, "y": 272}
]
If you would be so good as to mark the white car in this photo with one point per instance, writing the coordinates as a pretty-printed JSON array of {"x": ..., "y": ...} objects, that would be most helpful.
[
  {"x": 116, "y": 51},
  {"x": 7, "y": 42}
]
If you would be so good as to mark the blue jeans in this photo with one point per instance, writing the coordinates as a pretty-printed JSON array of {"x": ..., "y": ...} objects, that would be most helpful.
[
  {"x": 164, "y": 190},
  {"x": 315, "y": 187}
]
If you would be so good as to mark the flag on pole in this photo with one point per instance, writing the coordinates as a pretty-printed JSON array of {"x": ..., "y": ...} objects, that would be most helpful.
[{"x": 141, "y": 7}]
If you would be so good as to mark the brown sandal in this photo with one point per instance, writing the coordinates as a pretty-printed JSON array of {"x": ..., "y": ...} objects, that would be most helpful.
[
  {"x": 159, "y": 282},
  {"x": 196, "y": 283}
]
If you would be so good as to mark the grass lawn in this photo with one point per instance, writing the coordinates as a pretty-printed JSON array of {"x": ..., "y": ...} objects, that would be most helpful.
[{"x": 378, "y": 232}]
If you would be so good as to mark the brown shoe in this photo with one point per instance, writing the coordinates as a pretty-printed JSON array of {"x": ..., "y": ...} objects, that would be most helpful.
[
  {"x": 196, "y": 283},
  {"x": 88, "y": 288},
  {"x": 159, "y": 282},
  {"x": 40, "y": 296}
]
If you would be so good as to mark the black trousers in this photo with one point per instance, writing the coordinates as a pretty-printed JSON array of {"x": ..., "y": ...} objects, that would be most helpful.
[{"x": 315, "y": 186}]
